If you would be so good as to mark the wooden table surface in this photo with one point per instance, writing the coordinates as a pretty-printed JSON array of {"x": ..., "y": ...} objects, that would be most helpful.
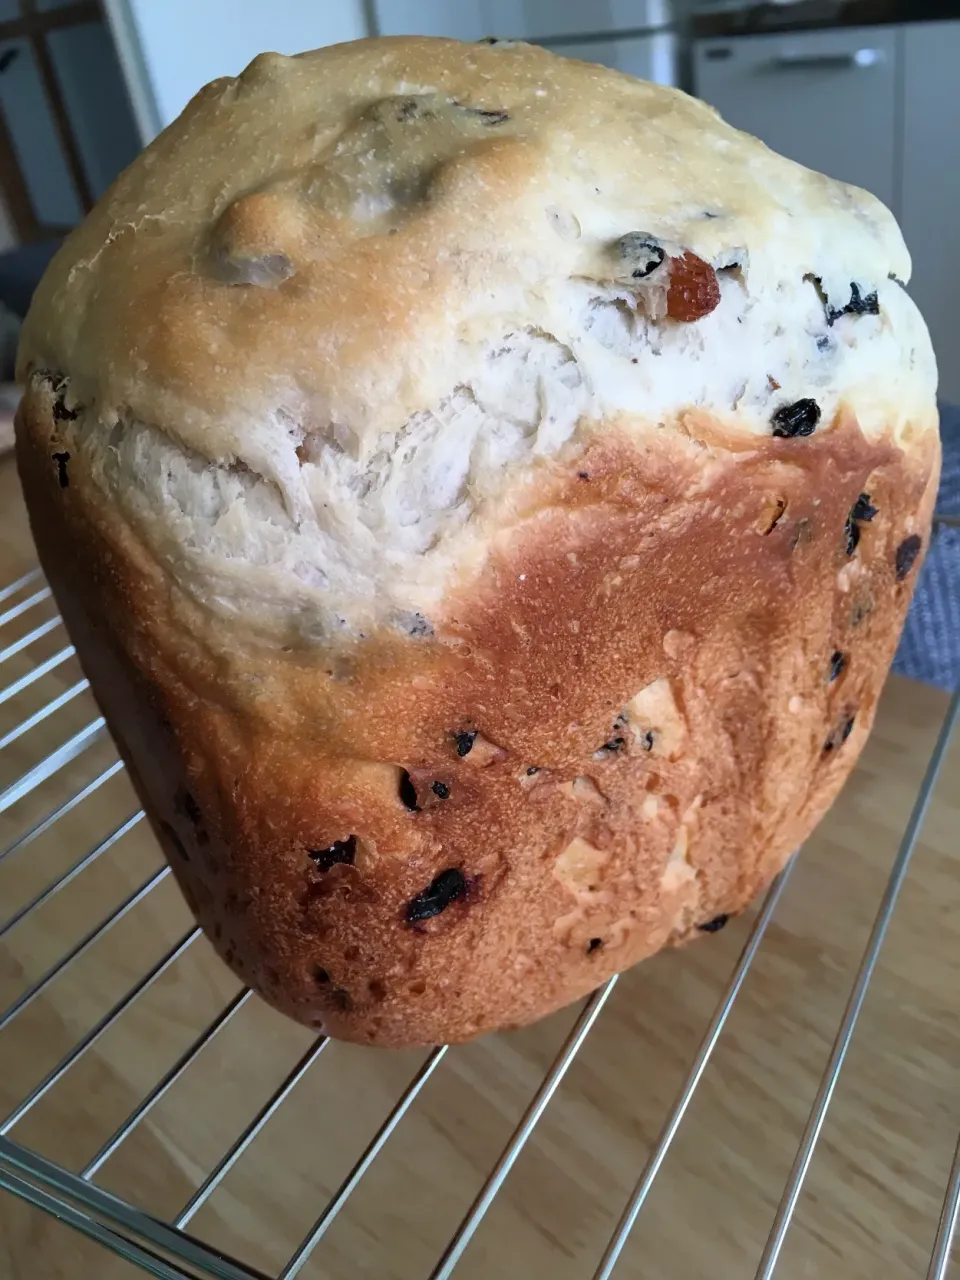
[{"x": 873, "y": 1195}]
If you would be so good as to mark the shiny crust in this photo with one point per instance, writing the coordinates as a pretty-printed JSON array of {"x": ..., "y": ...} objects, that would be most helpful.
[{"x": 716, "y": 565}]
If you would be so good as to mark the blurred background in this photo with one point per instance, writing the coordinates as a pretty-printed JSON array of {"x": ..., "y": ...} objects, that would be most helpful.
[{"x": 865, "y": 90}]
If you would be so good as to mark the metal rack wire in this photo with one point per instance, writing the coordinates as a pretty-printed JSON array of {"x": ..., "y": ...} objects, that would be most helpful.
[{"x": 165, "y": 1248}]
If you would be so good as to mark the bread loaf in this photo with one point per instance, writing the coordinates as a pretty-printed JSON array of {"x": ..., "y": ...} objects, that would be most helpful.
[{"x": 484, "y": 491}]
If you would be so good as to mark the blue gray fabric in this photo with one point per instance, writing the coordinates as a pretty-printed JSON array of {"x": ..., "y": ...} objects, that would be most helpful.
[{"x": 930, "y": 645}]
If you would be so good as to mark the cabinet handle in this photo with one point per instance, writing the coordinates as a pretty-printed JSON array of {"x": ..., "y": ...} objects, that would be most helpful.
[{"x": 829, "y": 61}]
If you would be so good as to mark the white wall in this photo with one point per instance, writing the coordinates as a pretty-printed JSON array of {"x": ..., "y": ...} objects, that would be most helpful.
[{"x": 171, "y": 48}]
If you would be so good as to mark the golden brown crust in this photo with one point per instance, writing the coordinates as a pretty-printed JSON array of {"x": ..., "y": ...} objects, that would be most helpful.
[
  {"x": 401, "y": 194},
  {"x": 716, "y": 583},
  {"x": 410, "y": 479},
  {"x": 320, "y": 329}
]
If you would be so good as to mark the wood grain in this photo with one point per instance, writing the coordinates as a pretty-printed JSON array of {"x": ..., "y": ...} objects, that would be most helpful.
[{"x": 873, "y": 1195}]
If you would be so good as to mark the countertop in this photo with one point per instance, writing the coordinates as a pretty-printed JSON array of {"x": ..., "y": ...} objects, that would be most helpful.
[
  {"x": 874, "y": 1190},
  {"x": 811, "y": 15}
]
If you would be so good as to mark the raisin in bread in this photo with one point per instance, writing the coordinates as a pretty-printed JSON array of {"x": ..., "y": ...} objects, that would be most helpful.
[{"x": 485, "y": 491}]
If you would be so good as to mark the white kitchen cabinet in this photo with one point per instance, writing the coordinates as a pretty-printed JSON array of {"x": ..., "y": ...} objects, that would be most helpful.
[
  {"x": 930, "y": 214},
  {"x": 459, "y": 19},
  {"x": 650, "y": 57},
  {"x": 547, "y": 19},
  {"x": 825, "y": 98},
  {"x": 539, "y": 20},
  {"x": 170, "y": 48}
]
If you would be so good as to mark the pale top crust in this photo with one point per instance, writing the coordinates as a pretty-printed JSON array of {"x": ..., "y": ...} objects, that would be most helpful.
[{"x": 322, "y": 339}]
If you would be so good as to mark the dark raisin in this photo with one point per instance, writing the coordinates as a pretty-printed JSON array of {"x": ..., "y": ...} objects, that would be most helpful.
[
  {"x": 614, "y": 745},
  {"x": 321, "y": 976},
  {"x": 838, "y": 661},
  {"x": 61, "y": 459},
  {"x": 851, "y": 533},
  {"x": 418, "y": 625},
  {"x": 647, "y": 740},
  {"x": 61, "y": 413},
  {"x": 465, "y": 739},
  {"x": 851, "y": 536},
  {"x": 532, "y": 769},
  {"x": 409, "y": 109},
  {"x": 407, "y": 791},
  {"x": 191, "y": 809},
  {"x": 487, "y": 116},
  {"x": 824, "y": 343},
  {"x": 584, "y": 475},
  {"x": 175, "y": 840},
  {"x": 594, "y": 945},
  {"x": 863, "y": 508},
  {"x": 897, "y": 280},
  {"x": 340, "y": 851},
  {"x": 859, "y": 305},
  {"x": 797, "y": 419},
  {"x": 714, "y": 925},
  {"x": 839, "y": 736},
  {"x": 643, "y": 252},
  {"x": 443, "y": 890},
  {"x": 907, "y": 553},
  {"x": 441, "y": 789}
]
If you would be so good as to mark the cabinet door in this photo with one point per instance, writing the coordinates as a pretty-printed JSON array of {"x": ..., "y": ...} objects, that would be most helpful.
[
  {"x": 543, "y": 19},
  {"x": 931, "y": 186},
  {"x": 88, "y": 72},
  {"x": 651, "y": 57},
  {"x": 23, "y": 101},
  {"x": 463, "y": 20},
  {"x": 824, "y": 98}
]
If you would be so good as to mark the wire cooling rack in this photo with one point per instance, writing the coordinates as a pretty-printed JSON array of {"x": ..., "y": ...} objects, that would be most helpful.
[{"x": 166, "y": 1248}]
